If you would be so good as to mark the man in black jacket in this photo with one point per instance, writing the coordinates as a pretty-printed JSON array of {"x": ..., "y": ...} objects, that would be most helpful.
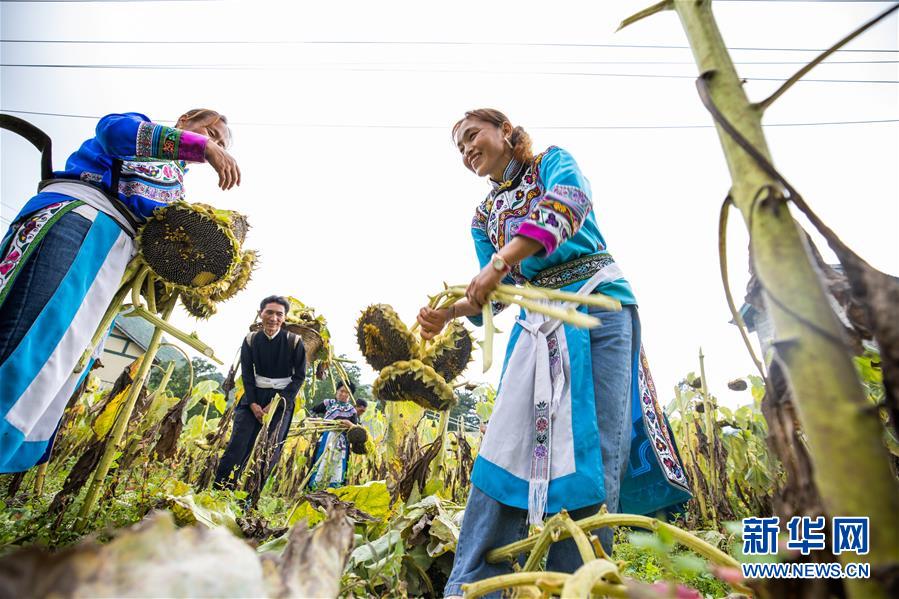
[{"x": 272, "y": 364}]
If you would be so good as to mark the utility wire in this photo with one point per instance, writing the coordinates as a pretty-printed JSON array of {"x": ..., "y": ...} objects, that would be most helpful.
[
  {"x": 395, "y": 126},
  {"x": 506, "y": 63},
  {"x": 428, "y": 71},
  {"x": 416, "y": 43},
  {"x": 96, "y": 1}
]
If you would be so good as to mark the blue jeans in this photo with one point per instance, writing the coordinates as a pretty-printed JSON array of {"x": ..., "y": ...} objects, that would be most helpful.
[
  {"x": 489, "y": 524},
  {"x": 39, "y": 278}
]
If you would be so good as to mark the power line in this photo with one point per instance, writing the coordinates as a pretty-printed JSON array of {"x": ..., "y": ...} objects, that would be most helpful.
[
  {"x": 415, "y": 127},
  {"x": 417, "y": 43},
  {"x": 160, "y": 67},
  {"x": 809, "y": 1},
  {"x": 506, "y": 63},
  {"x": 185, "y": 1},
  {"x": 94, "y": 1}
]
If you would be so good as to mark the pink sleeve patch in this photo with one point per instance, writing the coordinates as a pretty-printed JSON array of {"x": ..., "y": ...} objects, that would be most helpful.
[
  {"x": 547, "y": 239},
  {"x": 192, "y": 147}
]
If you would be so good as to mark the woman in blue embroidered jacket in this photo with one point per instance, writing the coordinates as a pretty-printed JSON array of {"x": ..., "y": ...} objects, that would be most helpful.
[
  {"x": 62, "y": 260},
  {"x": 332, "y": 453},
  {"x": 590, "y": 431}
]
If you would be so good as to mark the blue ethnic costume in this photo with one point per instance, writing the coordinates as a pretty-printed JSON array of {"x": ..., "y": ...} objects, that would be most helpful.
[
  {"x": 62, "y": 261},
  {"x": 332, "y": 453},
  {"x": 541, "y": 451}
]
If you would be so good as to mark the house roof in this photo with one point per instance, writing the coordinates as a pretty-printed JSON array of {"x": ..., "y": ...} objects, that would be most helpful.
[{"x": 140, "y": 332}]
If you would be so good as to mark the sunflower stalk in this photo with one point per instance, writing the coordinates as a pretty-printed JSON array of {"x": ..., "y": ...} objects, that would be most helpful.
[
  {"x": 121, "y": 423},
  {"x": 261, "y": 439},
  {"x": 568, "y": 315},
  {"x": 552, "y": 582},
  {"x": 316, "y": 425},
  {"x": 529, "y": 299},
  {"x": 533, "y": 299},
  {"x": 542, "y": 293},
  {"x": 487, "y": 344},
  {"x": 594, "y": 299},
  {"x": 115, "y": 306},
  {"x": 159, "y": 323},
  {"x": 689, "y": 540}
]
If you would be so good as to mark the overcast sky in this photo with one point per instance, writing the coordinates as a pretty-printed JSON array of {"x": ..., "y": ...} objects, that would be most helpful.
[{"x": 357, "y": 195}]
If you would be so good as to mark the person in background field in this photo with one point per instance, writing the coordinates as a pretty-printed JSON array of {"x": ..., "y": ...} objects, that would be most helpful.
[
  {"x": 333, "y": 451},
  {"x": 563, "y": 440},
  {"x": 273, "y": 366},
  {"x": 63, "y": 257}
]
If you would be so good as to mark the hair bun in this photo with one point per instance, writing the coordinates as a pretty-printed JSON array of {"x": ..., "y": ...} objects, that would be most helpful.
[{"x": 521, "y": 145}]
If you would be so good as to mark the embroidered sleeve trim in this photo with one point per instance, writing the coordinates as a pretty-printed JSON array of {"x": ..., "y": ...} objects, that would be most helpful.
[
  {"x": 144, "y": 145},
  {"x": 480, "y": 216},
  {"x": 559, "y": 214},
  {"x": 168, "y": 143}
]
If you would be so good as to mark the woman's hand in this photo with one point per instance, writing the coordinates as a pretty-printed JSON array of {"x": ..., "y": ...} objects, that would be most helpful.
[
  {"x": 483, "y": 285},
  {"x": 224, "y": 164},
  {"x": 432, "y": 321}
]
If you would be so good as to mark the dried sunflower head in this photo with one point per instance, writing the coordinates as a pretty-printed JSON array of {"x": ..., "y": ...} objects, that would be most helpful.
[
  {"x": 357, "y": 435},
  {"x": 413, "y": 380},
  {"x": 238, "y": 280},
  {"x": 383, "y": 338},
  {"x": 190, "y": 246},
  {"x": 450, "y": 352},
  {"x": 198, "y": 305}
]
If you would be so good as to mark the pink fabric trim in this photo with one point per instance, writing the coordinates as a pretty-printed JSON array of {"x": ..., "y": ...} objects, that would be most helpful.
[
  {"x": 529, "y": 229},
  {"x": 192, "y": 147}
]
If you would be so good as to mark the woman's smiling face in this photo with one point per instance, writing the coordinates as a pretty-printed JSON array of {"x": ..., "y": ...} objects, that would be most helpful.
[{"x": 483, "y": 146}]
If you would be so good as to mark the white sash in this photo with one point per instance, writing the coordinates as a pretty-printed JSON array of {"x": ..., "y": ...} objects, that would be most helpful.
[
  {"x": 534, "y": 396},
  {"x": 91, "y": 196},
  {"x": 264, "y": 382}
]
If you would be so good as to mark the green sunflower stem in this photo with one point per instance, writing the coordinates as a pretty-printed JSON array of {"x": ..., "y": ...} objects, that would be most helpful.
[
  {"x": 138, "y": 284},
  {"x": 162, "y": 324},
  {"x": 580, "y": 537},
  {"x": 543, "y": 541},
  {"x": 683, "y": 537},
  {"x": 261, "y": 439},
  {"x": 121, "y": 423},
  {"x": 487, "y": 346},
  {"x": 567, "y": 315},
  {"x": 541, "y": 293},
  {"x": 583, "y": 582},
  {"x": 112, "y": 311},
  {"x": 549, "y": 582}
]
